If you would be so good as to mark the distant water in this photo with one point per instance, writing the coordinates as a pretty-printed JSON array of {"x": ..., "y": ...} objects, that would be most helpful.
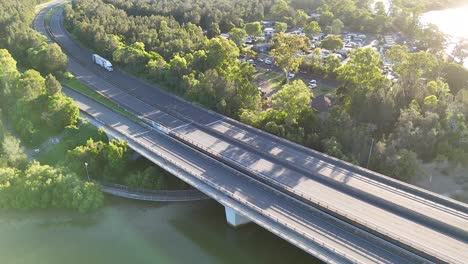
[
  {"x": 129, "y": 232},
  {"x": 453, "y": 22}
]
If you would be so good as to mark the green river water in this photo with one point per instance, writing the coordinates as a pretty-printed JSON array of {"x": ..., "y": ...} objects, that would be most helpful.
[{"x": 127, "y": 232}]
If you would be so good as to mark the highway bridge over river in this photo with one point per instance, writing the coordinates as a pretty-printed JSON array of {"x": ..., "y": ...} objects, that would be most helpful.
[{"x": 336, "y": 211}]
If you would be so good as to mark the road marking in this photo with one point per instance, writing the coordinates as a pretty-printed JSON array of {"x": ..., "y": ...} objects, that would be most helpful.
[
  {"x": 181, "y": 126},
  {"x": 214, "y": 122}
]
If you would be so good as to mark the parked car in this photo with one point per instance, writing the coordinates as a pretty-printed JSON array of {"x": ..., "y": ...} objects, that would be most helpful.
[
  {"x": 252, "y": 62},
  {"x": 260, "y": 60},
  {"x": 312, "y": 84},
  {"x": 268, "y": 61},
  {"x": 291, "y": 75}
]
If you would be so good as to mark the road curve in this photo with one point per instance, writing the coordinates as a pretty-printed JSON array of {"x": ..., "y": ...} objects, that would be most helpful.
[{"x": 354, "y": 193}]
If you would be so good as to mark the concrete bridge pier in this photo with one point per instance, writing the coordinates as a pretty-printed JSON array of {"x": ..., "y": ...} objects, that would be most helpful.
[{"x": 234, "y": 218}]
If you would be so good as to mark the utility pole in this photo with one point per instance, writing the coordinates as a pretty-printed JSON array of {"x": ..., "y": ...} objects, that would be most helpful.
[
  {"x": 370, "y": 152},
  {"x": 87, "y": 173}
]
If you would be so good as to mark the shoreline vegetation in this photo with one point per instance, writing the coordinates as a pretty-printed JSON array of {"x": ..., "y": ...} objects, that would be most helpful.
[{"x": 44, "y": 144}]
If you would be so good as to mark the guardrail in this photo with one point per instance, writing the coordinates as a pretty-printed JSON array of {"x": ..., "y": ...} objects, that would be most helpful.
[{"x": 151, "y": 195}]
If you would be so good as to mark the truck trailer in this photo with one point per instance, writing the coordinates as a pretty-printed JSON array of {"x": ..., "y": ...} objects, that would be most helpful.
[{"x": 102, "y": 62}]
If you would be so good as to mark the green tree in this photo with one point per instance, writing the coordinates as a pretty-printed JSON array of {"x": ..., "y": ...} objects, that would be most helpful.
[
  {"x": 332, "y": 42},
  {"x": 254, "y": 29},
  {"x": 362, "y": 70},
  {"x": 134, "y": 56},
  {"x": 301, "y": 18},
  {"x": 326, "y": 18},
  {"x": 8, "y": 76},
  {"x": 336, "y": 27},
  {"x": 461, "y": 50},
  {"x": 54, "y": 60},
  {"x": 30, "y": 86},
  {"x": 62, "y": 112},
  {"x": 292, "y": 99},
  {"x": 238, "y": 35},
  {"x": 281, "y": 27},
  {"x": 52, "y": 85},
  {"x": 12, "y": 152},
  {"x": 456, "y": 76},
  {"x": 286, "y": 49},
  {"x": 281, "y": 11},
  {"x": 431, "y": 38},
  {"x": 312, "y": 28},
  {"x": 220, "y": 50}
]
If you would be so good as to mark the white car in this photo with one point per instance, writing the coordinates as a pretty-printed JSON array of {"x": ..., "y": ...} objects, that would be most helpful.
[
  {"x": 269, "y": 62},
  {"x": 312, "y": 85},
  {"x": 291, "y": 75}
]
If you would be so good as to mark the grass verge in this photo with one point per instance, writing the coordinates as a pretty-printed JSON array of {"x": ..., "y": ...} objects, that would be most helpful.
[{"x": 83, "y": 89}]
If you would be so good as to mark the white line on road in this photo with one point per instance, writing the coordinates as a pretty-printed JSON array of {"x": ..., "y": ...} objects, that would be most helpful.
[{"x": 181, "y": 126}]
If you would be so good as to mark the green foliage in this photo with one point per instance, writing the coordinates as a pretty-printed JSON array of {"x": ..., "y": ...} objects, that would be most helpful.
[
  {"x": 224, "y": 14},
  {"x": 292, "y": 98},
  {"x": 28, "y": 47},
  {"x": 281, "y": 27},
  {"x": 336, "y": 27},
  {"x": 41, "y": 186},
  {"x": 456, "y": 76},
  {"x": 362, "y": 70},
  {"x": 52, "y": 85},
  {"x": 253, "y": 29},
  {"x": 285, "y": 50},
  {"x": 312, "y": 28},
  {"x": 30, "y": 86},
  {"x": 238, "y": 35},
  {"x": 332, "y": 42}
]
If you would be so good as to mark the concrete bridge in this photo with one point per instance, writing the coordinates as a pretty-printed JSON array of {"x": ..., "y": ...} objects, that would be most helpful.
[{"x": 336, "y": 211}]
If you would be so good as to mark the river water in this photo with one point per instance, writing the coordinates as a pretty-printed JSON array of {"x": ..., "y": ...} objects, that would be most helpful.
[
  {"x": 453, "y": 22},
  {"x": 134, "y": 232}
]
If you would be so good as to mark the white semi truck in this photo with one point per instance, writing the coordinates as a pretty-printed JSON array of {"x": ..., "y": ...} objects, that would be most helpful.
[{"x": 102, "y": 62}]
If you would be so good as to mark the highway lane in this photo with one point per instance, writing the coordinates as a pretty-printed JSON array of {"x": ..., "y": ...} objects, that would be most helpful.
[
  {"x": 310, "y": 166},
  {"x": 292, "y": 219},
  {"x": 125, "y": 99}
]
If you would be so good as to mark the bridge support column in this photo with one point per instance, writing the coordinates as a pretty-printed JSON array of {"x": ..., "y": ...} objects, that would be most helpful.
[{"x": 235, "y": 219}]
